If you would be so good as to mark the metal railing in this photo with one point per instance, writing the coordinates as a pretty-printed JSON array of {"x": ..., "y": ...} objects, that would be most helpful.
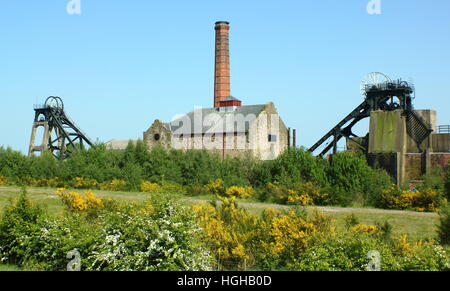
[{"x": 443, "y": 129}]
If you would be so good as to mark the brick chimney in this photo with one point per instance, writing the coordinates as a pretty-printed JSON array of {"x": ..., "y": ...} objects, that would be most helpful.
[{"x": 222, "y": 63}]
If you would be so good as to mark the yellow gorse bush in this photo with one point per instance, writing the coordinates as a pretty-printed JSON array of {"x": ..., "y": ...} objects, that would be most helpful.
[
  {"x": 315, "y": 192},
  {"x": 52, "y": 182},
  {"x": 3, "y": 181},
  {"x": 114, "y": 185},
  {"x": 296, "y": 197},
  {"x": 80, "y": 202},
  {"x": 367, "y": 229},
  {"x": 424, "y": 200},
  {"x": 406, "y": 248},
  {"x": 300, "y": 194},
  {"x": 150, "y": 187},
  {"x": 240, "y": 192},
  {"x": 83, "y": 183},
  {"x": 216, "y": 187},
  {"x": 228, "y": 230},
  {"x": 290, "y": 232},
  {"x": 220, "y": 236}
]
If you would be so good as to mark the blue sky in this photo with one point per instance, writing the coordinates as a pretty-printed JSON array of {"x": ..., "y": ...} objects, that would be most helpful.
[{"x": 121, "y": 64}]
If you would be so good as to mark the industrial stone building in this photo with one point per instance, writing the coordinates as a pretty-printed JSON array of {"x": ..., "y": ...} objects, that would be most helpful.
[
  {"x": 233, "y": 131},
  {"x": 229, "y": 128}
]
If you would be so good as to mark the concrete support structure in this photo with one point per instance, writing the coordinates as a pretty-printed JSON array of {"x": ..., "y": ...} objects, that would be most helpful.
[
  {"x": 44, "y": 144},
  {"x": 391, "y": 148}
]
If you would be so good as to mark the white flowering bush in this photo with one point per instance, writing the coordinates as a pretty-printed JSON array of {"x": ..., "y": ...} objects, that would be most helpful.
[
  {"x": 156, "y": 238},
  {"x": 157, "y": 235}
]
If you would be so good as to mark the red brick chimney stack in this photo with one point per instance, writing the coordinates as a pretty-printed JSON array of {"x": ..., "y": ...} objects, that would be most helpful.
[{"x": 222, "y": 63}]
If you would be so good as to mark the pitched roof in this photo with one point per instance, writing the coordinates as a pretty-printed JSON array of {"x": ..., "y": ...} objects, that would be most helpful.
[
  {"x": 230, "y": 98},
  {"x": 116, "y": 144},
  {"x": 214, "y": 121}
]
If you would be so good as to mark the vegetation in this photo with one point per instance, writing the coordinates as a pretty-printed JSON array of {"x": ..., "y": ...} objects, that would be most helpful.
[
  {"x": 444, "y": 226},
  {"x": 296, "y": 177},
  {"x": 155, "y": 235},
  {"x": 155, "y": 229},
  {"x": 161, "y": 234}
]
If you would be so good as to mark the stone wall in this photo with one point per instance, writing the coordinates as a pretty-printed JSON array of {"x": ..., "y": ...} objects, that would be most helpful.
[
  {"x": 268, "y": 123},
  {"x": 158, "y": 134}
]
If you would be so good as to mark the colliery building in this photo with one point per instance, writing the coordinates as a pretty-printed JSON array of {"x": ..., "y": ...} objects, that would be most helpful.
[{"x": 229, "y": 127}]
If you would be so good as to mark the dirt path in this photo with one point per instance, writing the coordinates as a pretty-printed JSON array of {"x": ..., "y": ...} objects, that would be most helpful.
[
  {"x": 137, "y": 196},
  {"x": 336, "y": 209}
]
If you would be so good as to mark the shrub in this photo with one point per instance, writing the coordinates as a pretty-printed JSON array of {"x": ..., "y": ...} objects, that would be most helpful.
[
  {"x": 298, "y": 194},
  {"x": 351, "y": 221},
  {"x": 373, "y": 185},
  {"x": 171, "y": 187},
  {"x": 421, "y": 256},
  {"x": 216, "y": 187},
  {"x": 298, "y": 198},
  {"x": 20, "y": 219},
  {"x": 232, "y": 234},
  {"x": 240, "y": 192},
  {"x": 434, "y": 180},
  {"x": 367, "y": 229},
  {"x": 347, "y": 252},
  {"x": 46, "y": 248},
  {"x": 43, "y": 182},
  {"x": 150, "y": 187},
  {"x": 444, "y": 226},
  {"x": 447, "y": 186},
  {"x": 82, "y": 203},
  {"x": 156, "y": 235},
  {"x": 3, "y": 181},
  {"x": 163, "y": 237},
  {"x": 424, "y": 200},
  {"x": 293, "y": 233},
  {"x": 115, "y": 185},
  {"x": 83, "y": 183}
]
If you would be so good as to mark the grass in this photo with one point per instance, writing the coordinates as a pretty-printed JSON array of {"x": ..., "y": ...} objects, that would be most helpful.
[
  {"x": 5, "y": 268},
  {"x": 416, "y": 225}
]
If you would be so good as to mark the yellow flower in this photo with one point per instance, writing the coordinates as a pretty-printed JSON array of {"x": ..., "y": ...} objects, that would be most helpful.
[
  {"x": 215, "y": 187},
  {"x": 290, "y": 232},
  {"x": 368, "y": 229},
  {"x": 150, "y": 187},
  {"x": 294, "y": 197},
  {"x": 114, "y": 185},
  {"x": 3, "y": 181},
  {"x": 77, "y": 202},
  {"x": 241, "y": 192}
]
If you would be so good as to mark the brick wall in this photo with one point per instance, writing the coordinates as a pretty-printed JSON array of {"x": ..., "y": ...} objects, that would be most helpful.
[
  {"x": 414, "y": 166},
  {"x": 440, "y": 160}
]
